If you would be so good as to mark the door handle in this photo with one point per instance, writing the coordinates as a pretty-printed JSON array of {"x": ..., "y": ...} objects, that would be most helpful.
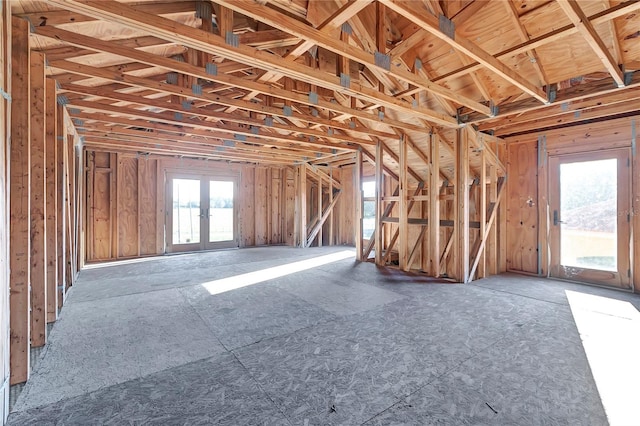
[{"x": 555, "y": 218}]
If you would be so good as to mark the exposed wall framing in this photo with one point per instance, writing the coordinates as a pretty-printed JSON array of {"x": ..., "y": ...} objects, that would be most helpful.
[
  {"x": 300, "y": 101},
  {"x": 126, "y": 203}
]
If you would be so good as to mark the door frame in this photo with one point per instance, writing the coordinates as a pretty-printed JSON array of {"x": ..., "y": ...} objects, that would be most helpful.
[
  {"x": 622, "y": 277},
  {"x": 204, "y": 243}
]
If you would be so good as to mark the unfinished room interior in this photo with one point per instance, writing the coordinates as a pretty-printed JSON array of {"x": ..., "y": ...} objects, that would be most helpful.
[{"x": 319, "y": 212}]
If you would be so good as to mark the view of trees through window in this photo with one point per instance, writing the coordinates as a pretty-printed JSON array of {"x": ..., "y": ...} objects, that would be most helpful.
[{"x": 588, "y": 211}]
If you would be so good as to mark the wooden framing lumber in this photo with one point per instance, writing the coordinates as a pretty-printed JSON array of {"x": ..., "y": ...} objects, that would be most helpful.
[
  {"x": 434, "y": 207},
  {"x": 315, "y": 231},
  {"x": 200, "y": 40},
  {"x": 378, "y": 235},
  {"x": 403, "y": 213},
  {"x": 38, "y": 202},
  {"x": 51, "y": 201},
  {"x": 583, "y": 24},
  {"x": 357, "y": 184},
  {"x": 484, "y": 235},
  {"x": 430, "y": 24},
  {"x": 552, "y": 36},
  {"x": 284, "y": 23},
  {"x": 461, "y": 229},
  {"x": 19, "y": 232},
  {"x": 198, "y": 72}
]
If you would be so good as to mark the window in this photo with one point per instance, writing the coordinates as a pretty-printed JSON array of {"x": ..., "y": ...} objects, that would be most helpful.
[{"x": 369, "y": 209}]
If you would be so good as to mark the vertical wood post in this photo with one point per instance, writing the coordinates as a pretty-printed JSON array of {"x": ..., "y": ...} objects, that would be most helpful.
[
  {"x": 434, "y": 207},
  {"x": 20, "y": 241},
  {"x": 357, "y": 185},
  {"x": 61, "y": 138},
  {"x": 331, "y": 230},
  {"x": 319, "y": 237},
  {"x": 403, "y": 207},
  {"x": 52, "y": 201},
  {"x": 379, "y": 192},
  {"x": 38, "y": 204},
  {"x": 483, "y": 208},
  {"x": 303, "y": 205},
  {"x": 492, "y": 243},
  {"x": 462, "y": 206},
  {"x": 5, "y": 134}
]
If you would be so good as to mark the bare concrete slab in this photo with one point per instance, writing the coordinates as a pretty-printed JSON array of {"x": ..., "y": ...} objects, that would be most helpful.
[{"x": 338, "y": 344}]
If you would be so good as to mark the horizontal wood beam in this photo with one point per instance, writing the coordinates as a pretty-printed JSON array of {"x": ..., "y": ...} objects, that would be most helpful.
[
  {"x": 199, "y": 72},
  {"x": 106, "y": 129},
  {"x": 143, "y": 151},
  {"x": 187, "y": 111},
  {"x": 592, "y": 90},
  {"x": 166, "y": 121},
  {"x": 199, "y": 144},
  {"x": 120, "y": 13},
  {"x": 284, "y": 23}
]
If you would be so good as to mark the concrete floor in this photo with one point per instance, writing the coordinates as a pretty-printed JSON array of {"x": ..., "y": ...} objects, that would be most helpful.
[{"x": 341, "y": 343}]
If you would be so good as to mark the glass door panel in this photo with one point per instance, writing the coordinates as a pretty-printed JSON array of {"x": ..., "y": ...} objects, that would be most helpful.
[
  {"x": 202, "y": 213},
  {"x": 589, "y": 235},
  {"x": 589, "y": 212},
  {"x": 185, "y": 212},
  {"x": 221, "y": 211}
]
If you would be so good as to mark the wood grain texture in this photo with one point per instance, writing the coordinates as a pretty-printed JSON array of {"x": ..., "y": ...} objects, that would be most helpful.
[
  {"x": 38, "y": 202},
  {"x": 522, "y": 213},
  {"x": 20, "y": 241},
  {"x": 128, "y": 226},
  {"x": 148, "y": 197},
  {"x": 5, "y": 122},
  {"x": 51, "y": 201}
]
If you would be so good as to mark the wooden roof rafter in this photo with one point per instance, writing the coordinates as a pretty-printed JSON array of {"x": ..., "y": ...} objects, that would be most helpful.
[
  {"x": 552, "y": 36},
  {"x": 586, "y": 28},
  {"x": 203, "y": 41},
  {"x": 346, "y": 50},
  {"x": 430, "y": 23}
]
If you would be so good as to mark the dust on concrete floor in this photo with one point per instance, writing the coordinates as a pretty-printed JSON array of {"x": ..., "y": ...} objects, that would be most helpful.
[{"x": 342, "y": 343}]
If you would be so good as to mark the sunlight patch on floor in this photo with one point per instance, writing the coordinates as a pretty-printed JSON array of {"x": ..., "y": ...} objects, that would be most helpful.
[
  {"x": 610, "y": 334},
  {"x": 250, "y": 278}
]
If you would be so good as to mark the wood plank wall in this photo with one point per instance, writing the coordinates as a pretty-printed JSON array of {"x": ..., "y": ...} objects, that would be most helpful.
[
  {"x": 125, "y": 198},
  {"x": 527, "y": 198},
  {"x": 5, "y": 120}
]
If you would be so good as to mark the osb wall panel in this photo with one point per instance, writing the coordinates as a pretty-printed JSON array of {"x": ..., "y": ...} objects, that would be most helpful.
[
  {"x": 127, "y": 207},
  {"x": 346, "y": 207},
  {"x": 522, "y": 210},
  {"x": 126, "y": 203}
]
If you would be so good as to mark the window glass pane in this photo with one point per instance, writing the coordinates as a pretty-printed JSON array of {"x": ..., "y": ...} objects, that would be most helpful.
[
  {"x": 369, "y": 210},
  {"x": 369, "y": 189},
  {"x": 220, "y": 211},
  {"x": 588, "y": 214},
  {"x": 186, "y": 211}
]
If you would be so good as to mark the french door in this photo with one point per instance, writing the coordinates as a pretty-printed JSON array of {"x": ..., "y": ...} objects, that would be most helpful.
[
  {"x": 589, "y": 217},
  {"x": 201, "y": 213}
]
